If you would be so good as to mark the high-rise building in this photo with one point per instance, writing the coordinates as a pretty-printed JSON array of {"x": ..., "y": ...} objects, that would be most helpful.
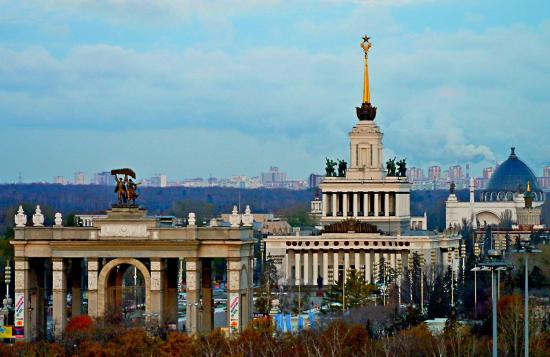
[
  {"x": 103, "y": 178},
  {"x": 61, "y": 180},
  {"x": 546, "y": 171},
  {"x": 79, "y": 178},
  {"x": 488, "y": 172},
  {"x": 416, "y": 174},
  {"x": 455, "y": 173},
  {"x": 315, "y": 180},
  {"x": 159, "y": 180},
  {"x": 273, "y": 176},
  {"x": 434, "y": 173}
]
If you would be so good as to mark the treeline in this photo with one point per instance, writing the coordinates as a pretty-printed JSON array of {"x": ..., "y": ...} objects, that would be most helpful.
[
  {"x": 206, "y": 202},
  {"x": 86, "y": 338}
]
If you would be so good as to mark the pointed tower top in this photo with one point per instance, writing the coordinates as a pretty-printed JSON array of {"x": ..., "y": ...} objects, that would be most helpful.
[{"x": 366, "y": 111}]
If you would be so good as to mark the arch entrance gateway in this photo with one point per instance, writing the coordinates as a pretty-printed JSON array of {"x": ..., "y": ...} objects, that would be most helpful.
[{"x": 129, "y": 262}]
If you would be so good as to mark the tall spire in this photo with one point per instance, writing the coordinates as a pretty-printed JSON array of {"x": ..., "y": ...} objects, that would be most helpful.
[
  {"x": 366, "y": 111},
  {"x": 366, "y": 45}
]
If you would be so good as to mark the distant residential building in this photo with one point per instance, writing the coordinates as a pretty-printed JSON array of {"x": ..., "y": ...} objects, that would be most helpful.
[
  {"x": 434, "y": 173},
  {"x": 60, "y": 180},
  {"x": 416, "y": 174},
  {"x": 273, "y": 176},
  {"x": 488, "y": 172},
  {"x": 103, "y": 178},
  {"x": 546, "y": 171},
  {"x": 79, "y": 178},
  {"x": 455, "y": 173},
  {"x": 315, "y": 180},
  {"x": 159, "y": 180}
]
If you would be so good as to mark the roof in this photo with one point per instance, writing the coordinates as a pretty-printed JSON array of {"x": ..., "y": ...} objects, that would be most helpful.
[{"x": 512, "y": 176}]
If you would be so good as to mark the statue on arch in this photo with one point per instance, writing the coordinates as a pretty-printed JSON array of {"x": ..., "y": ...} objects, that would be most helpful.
[
  {"x": 342, "y": 168},
  {"x": 330, "y": 172},
  {"x": 125, "y": 188},
  {"x": 120, "y": 189}
]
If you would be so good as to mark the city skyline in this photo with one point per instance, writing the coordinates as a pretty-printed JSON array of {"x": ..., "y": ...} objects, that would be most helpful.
[{"x": 108, "y": 85}]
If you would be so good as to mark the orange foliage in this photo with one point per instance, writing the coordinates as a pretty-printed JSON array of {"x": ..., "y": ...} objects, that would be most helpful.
[{"x": 79, "y": 324}]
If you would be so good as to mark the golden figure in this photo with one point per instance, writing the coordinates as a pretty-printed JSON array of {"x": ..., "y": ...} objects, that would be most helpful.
[
  {"x": 366, "y": 45},
  {"x": 132, "y": 194},
  {"x": 120, "y": 189}
]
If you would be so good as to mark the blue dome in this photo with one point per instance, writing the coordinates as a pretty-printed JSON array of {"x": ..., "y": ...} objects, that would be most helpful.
[{"x": 512, "y": 176}]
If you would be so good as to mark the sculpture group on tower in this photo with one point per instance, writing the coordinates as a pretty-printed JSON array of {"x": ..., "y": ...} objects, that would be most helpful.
[
  {"x": 399, "y": 170},
  {"x": 331, "y": 172}
]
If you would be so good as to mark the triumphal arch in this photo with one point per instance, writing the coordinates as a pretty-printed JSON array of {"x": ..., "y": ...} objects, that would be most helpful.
[{"x": 87, "y": 265}]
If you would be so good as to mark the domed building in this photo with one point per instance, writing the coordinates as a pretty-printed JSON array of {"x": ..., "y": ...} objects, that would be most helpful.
[
  {"x": 511, "y": 177},
  {"x": 508, "y": 187}
]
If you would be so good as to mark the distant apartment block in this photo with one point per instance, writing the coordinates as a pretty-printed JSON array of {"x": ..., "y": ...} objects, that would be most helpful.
[
  {"x": 415, "y": 174},
  {"x": 273, "y": 176},
  {"x": 103, "y": 178},
  {"x": 488, "y": 172},
  {"x": 79, "y": 178},
  {"x": 159, "y": 180},
  {"x": 455, "y": 173},
  {"x": 315, "y": 180},
  {"x": 60, "y": 180},
  {"x": 434, "y": 173}
]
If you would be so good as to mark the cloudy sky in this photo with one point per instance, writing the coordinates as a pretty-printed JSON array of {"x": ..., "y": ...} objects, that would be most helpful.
[{"x": 217, "y": 87}]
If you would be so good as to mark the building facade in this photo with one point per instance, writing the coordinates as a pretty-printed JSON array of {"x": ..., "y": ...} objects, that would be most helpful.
[{"x": 364, "y": 215}]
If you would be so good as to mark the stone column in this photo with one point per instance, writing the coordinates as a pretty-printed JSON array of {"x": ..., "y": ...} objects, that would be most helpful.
[
  {"x": 345, "y": 204},
  {"x": 368, "y": 278},
  {"x": 315, "y": 268},
  {"x": 334, "y": 204},
  {"x": 76, "y": 303},
  {"x": 386, "y": 204},
  {"x": 376, "y": 204},
  {"x": 335, "y": 266},
  {"x": 22, "y": 298},
  {"x": 207, "y": 318},
  {"x": 288, "y": 272},
  {"x": 192, "y": 272},
  {"x": 157, "y": 289},
  {"x": 357, "y": 260},
  {"x": 92, "y": 292},
  {"x": 325, "y": 268},
  {"x": 298, "y": 269},
  {"x": 346, "y": 264},
  {"x": 59, "y": 289},
  {"x": 366, "y": 204},
  {"x": 325, "y": 205},
  {"x": 355, "y": 205},
  {"x": 376, "y": 268},
  {"x": 306, "y": 268}
]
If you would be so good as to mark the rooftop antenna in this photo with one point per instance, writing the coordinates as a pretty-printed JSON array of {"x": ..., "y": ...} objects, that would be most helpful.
[{"x": 19, "y": 178}]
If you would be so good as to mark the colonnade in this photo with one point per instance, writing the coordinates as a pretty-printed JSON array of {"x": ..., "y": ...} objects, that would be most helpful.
[
  {"x": 304, "y": 267},
  {"x": 364, "y": 204}
]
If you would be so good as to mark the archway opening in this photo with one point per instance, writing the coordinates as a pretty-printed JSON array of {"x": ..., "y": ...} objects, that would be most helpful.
[{"x": 126, "y": 294}]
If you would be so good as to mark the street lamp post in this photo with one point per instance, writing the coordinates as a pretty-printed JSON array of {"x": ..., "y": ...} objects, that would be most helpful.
[
  {"x": 524, "y": 246},
  {"x": 494, "y": 264}
]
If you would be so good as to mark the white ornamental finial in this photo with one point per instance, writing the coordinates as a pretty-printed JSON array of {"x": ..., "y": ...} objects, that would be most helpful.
[
  {"x": 191, "y": 219},
  {"x": 58, "y": 219},
  {"x": 248, "y": 218},
  {"x": 20, "y": 217},
  {"x": 235, "y": 218},
  {"x": 38, "y": 217}
]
